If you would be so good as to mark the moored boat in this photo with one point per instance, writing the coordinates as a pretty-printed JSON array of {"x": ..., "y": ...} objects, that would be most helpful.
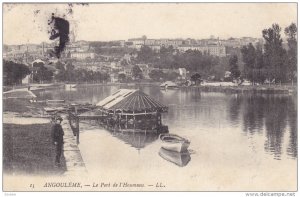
[
  {"x": 169, "y": 85},
  {"x": 70, "y": 86},
  {"x": 174, "y": 142},
  {"x": 180, "y": 159}
]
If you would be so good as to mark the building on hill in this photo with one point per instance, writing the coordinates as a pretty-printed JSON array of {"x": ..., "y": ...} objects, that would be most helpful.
[
  {"x": 82, "y": 55},
  {"x": 212, "y": 49}
]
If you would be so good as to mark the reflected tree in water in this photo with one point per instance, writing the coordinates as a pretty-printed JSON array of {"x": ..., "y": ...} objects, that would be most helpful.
[
  {"x": 253, "y": 114},
  {"x": 292, "y": 149},
  {"x": 274, "y": 113},
  {"x": 196, "y": 95},
  {"x": 235, "y": 104},
  {"x": 276, "y": 110}
]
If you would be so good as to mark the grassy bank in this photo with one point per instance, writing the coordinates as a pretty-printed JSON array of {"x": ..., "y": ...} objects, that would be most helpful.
[
  {"x": 28, "y": 149},
  {"x": 22, "y": 106}
]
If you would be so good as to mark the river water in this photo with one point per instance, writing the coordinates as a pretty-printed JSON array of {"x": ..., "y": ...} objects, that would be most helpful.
[{"x": 239, "y": 142}]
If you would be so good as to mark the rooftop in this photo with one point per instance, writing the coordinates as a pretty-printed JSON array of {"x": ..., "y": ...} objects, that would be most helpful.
[{"x": 131, "y": 100}]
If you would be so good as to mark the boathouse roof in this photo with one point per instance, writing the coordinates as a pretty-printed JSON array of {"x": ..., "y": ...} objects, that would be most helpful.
[{"x": 131, "y": 100}]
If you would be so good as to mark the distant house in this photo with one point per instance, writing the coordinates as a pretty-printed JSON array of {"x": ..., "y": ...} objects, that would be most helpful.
[
  {"x": 155, "y": 48},
  {"x": 150, "y": 42},
  {"x": 113, "y": 77},
  {"x": 82, "y": 55},
  {"x": 26, "y": 80},
  {"x": 137, "y": 43},
  {"x": 212, "y": 49},
  {"x": 182, "y": 73}
]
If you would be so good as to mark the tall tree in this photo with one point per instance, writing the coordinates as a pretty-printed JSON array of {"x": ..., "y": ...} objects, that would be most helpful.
[
  {"x": 41, "y": 74},
  {"x": 234, "y": 68},
  {"x": 70, "y": 72},
  {"x": 249, "y": 58},
  {"x": 13, "y": 73},
  {"x": 275, "y": 55},
  {"x": 137, "y": 73},
  {"x": 157, "y": 75},
  {"x": 260, "y": 72},
  {"x": 291, "y": 33},
  {"x": 253, "y": 60},
  {"x": 196, "y": 78},
  {"x": 122, "y": 77},
  {"x": 61, "y": 74},
  {"x": 146, "y": 55}
]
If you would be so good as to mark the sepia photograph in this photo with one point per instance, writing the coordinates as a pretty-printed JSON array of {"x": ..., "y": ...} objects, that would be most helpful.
[{"x": 154, "y": 96}]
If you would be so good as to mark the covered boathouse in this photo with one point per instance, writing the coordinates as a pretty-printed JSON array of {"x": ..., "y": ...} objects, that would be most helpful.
[{"x": 131, "y": 109}]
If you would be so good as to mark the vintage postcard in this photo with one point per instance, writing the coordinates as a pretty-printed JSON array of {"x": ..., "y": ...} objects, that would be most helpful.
[{"x": 150, "y": 97}]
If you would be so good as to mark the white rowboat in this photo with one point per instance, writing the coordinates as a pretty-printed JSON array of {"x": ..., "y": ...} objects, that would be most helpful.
[
  {"x": 180, "y": 159},
  {"x": 174, "y": 142}
]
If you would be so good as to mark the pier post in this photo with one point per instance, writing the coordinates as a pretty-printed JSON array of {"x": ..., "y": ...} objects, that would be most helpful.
[
  {"x": 77, "y": 125},
  {"x": 126, "y": 122},
  {"x": 158, "y": 119},
  {"x": 77, "y": 129}
]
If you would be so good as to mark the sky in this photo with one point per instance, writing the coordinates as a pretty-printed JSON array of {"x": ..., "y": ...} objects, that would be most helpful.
[{"x": 27, "y": 23}]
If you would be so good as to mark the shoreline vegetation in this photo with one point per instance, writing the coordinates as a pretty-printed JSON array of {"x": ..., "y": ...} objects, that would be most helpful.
[{"x": 267, "y": 89}]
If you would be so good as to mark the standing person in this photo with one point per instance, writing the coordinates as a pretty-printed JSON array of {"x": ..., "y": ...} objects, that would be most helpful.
[{"x": 58, "y": 138}]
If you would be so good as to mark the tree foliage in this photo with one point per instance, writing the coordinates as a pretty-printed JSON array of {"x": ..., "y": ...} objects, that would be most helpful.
[
  {"x": 253, "y": 59},
  {"x": 196, "y": 78},
  {"x": 157, "y": 75},
  {"x": 275, "y": 55},
  {"x": 291, "y": 33},
  {"x": 13, "y": 73},
  {"x": 169, "y": 58},
  {"x": 68, "y": 73},
  {"x": 273, "y": 62},
  {"x": 234, "y": 69},
  {"x": 41, "y": 73},
  {"x": 122, "y": 77},
  {"x": 146, "y": 55},
  {"x": 137, "y": 73}
]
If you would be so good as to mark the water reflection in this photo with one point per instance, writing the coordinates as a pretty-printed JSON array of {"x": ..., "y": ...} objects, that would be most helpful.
[
  {"x": 137, "y": 135},
  {"x": 275, "y": 115},
  {"x": 180, "y": 159},
  {"x": 253, "y": 114},
  {"x": 292, "y": 149},
  {"x": 234, "y": 108},
  {"x": 137, "y": 140},
  {"x": 271, "y": 119}
]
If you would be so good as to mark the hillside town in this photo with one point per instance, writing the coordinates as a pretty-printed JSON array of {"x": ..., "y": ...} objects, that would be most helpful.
[{"x": 116, "y": 59}]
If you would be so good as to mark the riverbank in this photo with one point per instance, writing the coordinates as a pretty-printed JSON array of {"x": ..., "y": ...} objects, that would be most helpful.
[
  {"x": 28, "y": 147},
  {"x": 28, "y": 150},
  {"x": 23, "y": 107}
]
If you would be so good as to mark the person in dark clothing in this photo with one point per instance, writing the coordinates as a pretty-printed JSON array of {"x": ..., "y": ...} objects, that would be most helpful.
[{"x": 58, "y": 139}]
